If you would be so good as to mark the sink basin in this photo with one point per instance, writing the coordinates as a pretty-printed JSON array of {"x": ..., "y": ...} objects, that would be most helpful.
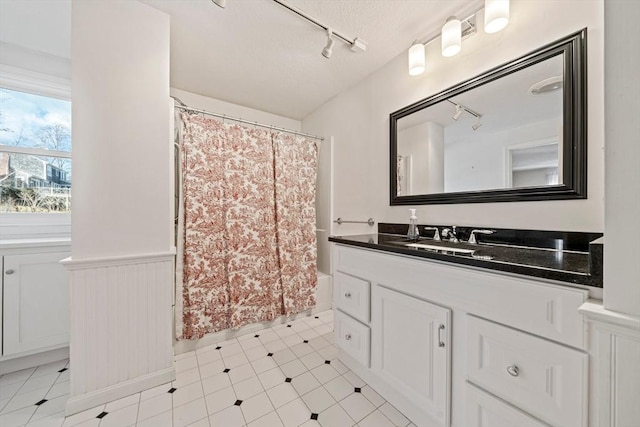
[{"x": 445, "y": 249}]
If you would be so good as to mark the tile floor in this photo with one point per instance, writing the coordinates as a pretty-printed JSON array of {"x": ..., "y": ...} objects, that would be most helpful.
[{"x": 287, "y": 375}]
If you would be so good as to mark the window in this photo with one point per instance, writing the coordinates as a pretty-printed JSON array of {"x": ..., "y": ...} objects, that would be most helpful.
[{"x": 35, "y": 153}]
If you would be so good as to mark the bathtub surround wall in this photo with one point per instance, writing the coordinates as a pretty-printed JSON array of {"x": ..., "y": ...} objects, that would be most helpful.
[{"x": 122, "y": 254}]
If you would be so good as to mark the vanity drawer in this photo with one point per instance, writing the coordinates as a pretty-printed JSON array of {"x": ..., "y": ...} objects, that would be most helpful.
[
  {"x": 545, "y": 379},
  {"x": 352, "y": 337},
  {"x": 352, "y": 296},
  {"x": 486, "y": 410}
]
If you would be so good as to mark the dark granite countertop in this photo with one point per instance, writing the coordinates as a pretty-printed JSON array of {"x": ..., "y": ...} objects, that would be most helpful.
[{"x": 572, "y": 266}]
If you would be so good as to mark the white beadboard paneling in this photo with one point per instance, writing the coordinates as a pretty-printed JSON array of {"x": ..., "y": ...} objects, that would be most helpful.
[{"x": 121, "y": 327}]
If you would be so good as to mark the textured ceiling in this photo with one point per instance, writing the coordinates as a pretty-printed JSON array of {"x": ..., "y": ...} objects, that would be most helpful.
[{"x": 257, "y": 54}]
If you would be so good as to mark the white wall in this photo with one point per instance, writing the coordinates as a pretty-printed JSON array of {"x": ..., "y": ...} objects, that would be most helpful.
[
  {"x": 622, "y": 208},
  {"x": 359, "y": 121},
  {"x": 122, "y": 147}
]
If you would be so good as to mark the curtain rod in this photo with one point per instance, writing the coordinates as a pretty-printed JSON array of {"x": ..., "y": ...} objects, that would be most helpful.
[{"x": 225, "y": 117}]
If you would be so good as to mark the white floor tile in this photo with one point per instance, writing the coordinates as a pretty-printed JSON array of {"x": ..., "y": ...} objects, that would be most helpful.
[
  {"x": 323, "y": 330},
  {"x": 256, "y": 353},
  {"x": 305, "y": 383},
  {"x": 235, "y": 360},
  {"x": 17, "y": 418},
  {"x": 248, "y": 388},
  {"x": 312, "y": 360},
  {"x": 186, "y": 394},
  {"x": 58, "y": 389},
  {"x": 394, "y": 415},
  {"x": 208, "y": 356},
  {"x": 134, "y": 399},
  {"x": 335, "y": 416},
  {"x": 186, "y": 363},
  {"x": 230, "y": 417},
  {"x": 324, "y": 373},
  {"x": 311, "y": 423},
  {"x": 211, "y": 369},
  {"x": 270, "y": 420},
  {"x": 271, "y": 378},
  {"x": 94, "y": 422},
  {"x": 35, "y": 383},
  {"x": 50, "y": 407},
  {"x": 269, "y": 336},
  {"x": 53, "y": 420},
  {"x": 153, "y": 392},
  {"x": 294, "y": 413},
  {"x": 8, "y": 390},
  {"x": 153, "y": 406},
  {"x": 220, "y": 400},
  {"x": 256, "y": 406},
  {"x": 292, "y": 340},
  {"x": 49, "y": 368},
  {"x": 339, "y": 388},
  {"x": 264, "y": 364},
  {"x": 202, "y": 423},
  {"x": 372, "y": 396},
  {"x": 275, "y": 346},
  {"x": 339, "y": 366},
  {"x": 357, "y": 406},
  {"x": 65, "y": 376},
  {"x": 329, "y": 352},
  {"x": 164, "y": 419},
  {"x": 241, "y": 373},
  {"x": 3, "y": 403},
  {"x": 318, "y": 400},
  {"x": 281, "y": 394},
  {"x": 302, "y": 349},
  {"x": 293, "y": 369},
  {"x": 189, "y": 413},
  {"x": 283, "y": 356},
  {"x": 22, "y": 400},
  {"x": 376, "y": 419},
  {"x": 251, "y": 342},
  {"x": 185, "y": 355},
  {"x": 16, "y": 377},
  {"x": 230, "y": 349},
  {"x": 309, "y": 334},
  {"x": 121, "y": 418},
  {"x": 215, "y": 383},
  {"x": 355, "y": 380},
  {"x": 83, "y": 416},
  {"x": 186, "y": 377}
]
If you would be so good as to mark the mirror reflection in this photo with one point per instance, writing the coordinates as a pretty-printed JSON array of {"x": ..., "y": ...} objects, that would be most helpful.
[{"x": 503, "y": 134}]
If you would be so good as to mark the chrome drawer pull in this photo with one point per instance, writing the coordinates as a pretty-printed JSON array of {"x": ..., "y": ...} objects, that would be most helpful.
[
  {"x": 513, "y": 370},
  {"x": 347, "y": 337},
  {"x": 440, "y": 342},
  {"x": 347, "y": 294},
  {"x": 9, "y": 272}
]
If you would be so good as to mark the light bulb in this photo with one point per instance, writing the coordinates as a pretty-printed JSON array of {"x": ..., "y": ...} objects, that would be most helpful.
[
  {"x": 451, "y": 37},
  {"x": 416, "y": 59},
  {"x": 496, "y": 15}
]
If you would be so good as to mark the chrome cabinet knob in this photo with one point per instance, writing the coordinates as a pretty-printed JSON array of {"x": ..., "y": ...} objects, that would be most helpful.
[
  {"x": 9, "y": 272},
  {"x": 347, "y": 294},
  {"x": 513, "y": 370},
  {"x": 347, "y": 337}
]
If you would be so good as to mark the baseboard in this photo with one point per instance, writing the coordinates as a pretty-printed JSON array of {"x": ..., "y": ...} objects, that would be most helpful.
[
  {"x": 33, "y": 360},
  {"x": 90, "y": 400}
]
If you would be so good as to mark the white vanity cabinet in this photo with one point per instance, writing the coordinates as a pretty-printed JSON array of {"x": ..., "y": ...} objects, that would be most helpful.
[
  {"x": 35, "y": 300},
  {"x": 459, "y": 346}
]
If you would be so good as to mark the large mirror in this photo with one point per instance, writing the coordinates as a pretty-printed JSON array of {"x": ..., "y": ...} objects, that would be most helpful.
[{"x": 514, "y": 133}]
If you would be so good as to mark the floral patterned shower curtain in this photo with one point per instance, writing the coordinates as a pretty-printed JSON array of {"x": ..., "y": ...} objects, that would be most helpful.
[{"x": 249, "y": 226}]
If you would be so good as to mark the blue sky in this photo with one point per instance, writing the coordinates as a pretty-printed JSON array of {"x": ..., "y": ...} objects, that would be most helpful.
[{"x": 24, "y": 114}]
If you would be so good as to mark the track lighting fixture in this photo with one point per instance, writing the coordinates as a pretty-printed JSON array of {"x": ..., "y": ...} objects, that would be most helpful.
[
  {"x": 458, "y": 113},
  {"x": 328, "y": 49},
  {"x": 416, "y": 59},
  {"x": 496, "y": 17},
  {"x": 477, "y": 125},
  {"x": 221, "y": 3},
  {"x": 451, "y": 37}
]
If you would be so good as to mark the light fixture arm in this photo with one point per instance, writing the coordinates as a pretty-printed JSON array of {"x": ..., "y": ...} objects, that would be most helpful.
[
  {"x": 355, "y": 43},
  {"x": 468, "y": 110}
]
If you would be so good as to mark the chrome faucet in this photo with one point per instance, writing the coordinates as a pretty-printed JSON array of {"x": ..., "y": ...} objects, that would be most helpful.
[
  {"x": 472, "y": 238},
  {"x": 451, "y": 233},
  {"x": 436, "y": 235}
]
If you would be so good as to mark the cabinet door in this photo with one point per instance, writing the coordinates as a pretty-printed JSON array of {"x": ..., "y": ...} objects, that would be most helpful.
[
  {"x": 485, "y": 410},
  {"x": 410, "y": 350},
  {"x": 36, "y": 302}
]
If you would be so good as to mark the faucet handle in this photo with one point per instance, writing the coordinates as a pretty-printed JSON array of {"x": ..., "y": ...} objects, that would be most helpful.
[
  {"x": 472, "y": 237},
  {"x": 436, "y": 235}
]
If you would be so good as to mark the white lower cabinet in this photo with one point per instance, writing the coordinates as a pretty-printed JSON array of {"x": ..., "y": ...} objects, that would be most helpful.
[
  {"x": 35, "y": 303},
  {"x": 458, "y": 347},
  {"x": 485, "y": 410},
  {"x": 410, "y": 350}
]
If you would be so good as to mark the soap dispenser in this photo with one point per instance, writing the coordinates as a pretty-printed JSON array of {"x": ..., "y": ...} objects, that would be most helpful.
[{"x": 413, "y": 226}]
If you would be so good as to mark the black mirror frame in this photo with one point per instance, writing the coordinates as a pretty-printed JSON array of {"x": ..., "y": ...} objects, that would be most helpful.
[{"x": 574, "y": 49}]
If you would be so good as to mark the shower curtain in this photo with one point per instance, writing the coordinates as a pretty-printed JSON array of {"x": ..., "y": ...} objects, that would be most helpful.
[{"x": 247, "y": 226}]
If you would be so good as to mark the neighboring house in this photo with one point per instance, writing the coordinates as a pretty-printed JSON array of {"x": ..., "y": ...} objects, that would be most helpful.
[{"x": 27, "y": 171}]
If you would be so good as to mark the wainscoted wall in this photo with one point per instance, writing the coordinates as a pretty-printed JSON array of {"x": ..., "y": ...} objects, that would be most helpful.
[{"x": 121, "y": 325}]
